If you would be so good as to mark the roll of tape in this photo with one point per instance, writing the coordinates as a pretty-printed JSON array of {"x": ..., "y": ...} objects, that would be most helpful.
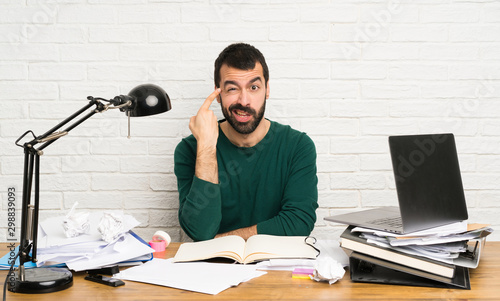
[
  {"x": 162, "y": 236},
  {"x": 158, "y": 246}
]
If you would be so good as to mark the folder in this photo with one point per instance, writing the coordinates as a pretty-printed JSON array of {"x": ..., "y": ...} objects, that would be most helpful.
[{"x": 365, "y": 268}]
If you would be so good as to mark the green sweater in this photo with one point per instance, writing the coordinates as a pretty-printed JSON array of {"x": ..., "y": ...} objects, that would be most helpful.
[{"x": 272, "y": 184}]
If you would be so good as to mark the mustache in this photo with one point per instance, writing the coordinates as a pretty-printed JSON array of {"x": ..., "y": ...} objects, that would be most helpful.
[{"x": 240, "y": 107}]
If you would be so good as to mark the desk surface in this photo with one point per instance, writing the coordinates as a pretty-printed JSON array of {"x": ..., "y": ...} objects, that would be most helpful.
[{"x": 485, "y": 283}]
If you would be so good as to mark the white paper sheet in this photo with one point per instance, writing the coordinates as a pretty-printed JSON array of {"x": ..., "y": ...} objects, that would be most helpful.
[
  {"x": 202, "y": 277},
  {"x": 286, "y": 264}
]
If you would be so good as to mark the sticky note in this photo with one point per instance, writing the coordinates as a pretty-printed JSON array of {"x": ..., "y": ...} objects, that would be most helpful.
[{"x": 300, "y": 273}]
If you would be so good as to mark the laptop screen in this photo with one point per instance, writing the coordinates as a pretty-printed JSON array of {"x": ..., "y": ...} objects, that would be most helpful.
[{"x": 428, "y": 180}]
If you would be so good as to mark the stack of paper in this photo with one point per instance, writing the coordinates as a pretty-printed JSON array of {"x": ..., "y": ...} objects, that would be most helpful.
[
  {"x": 442, "y": 254},
  {"x": 440, "y": 244},
  {"x": 89, "y": 251}
]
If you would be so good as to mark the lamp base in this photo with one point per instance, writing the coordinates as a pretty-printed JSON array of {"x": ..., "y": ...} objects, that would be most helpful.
[{"x": 41, "y": 280}]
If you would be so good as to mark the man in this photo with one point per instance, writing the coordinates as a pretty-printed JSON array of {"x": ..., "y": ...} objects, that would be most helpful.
[{"x": 244, "y": 175}]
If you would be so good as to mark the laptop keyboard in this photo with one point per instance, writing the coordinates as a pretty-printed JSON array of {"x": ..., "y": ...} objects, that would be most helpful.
[{"x": 390, "y": 221}]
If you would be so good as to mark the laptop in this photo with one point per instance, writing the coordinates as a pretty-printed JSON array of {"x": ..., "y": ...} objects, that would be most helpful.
[{"x": 428, "y": 184}]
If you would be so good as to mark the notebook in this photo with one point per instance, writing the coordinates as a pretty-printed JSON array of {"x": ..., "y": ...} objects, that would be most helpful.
[{"x": 428, "y": 184}]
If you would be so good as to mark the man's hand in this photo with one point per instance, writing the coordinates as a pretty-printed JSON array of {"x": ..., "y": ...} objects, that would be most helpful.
[
  {"x": 204, "y": 124},
  {"x": 206, "y": 131},
  {"x": 243, "y": 232}
]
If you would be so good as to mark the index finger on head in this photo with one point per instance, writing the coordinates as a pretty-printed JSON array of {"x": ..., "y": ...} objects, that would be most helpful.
[{"x": 206, "y": 104}]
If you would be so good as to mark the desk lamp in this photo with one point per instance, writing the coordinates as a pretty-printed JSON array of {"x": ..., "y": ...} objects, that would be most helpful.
[{"x": 143, "y": 100}]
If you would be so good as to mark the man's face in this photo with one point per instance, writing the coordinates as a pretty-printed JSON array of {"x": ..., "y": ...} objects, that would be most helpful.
[{"x": 243, "y": 97}]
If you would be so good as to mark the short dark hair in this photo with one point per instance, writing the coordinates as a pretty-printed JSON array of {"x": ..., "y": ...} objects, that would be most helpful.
[{"x": 240, "y": 56}]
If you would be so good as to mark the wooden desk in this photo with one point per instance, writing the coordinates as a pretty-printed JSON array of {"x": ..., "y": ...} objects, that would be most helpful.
[{"x": 485, "y": 282}]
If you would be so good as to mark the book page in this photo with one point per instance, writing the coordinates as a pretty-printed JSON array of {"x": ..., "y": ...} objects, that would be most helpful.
[
  {"x": 261, "y": 247},
  {"x": 232, "y": 247}
]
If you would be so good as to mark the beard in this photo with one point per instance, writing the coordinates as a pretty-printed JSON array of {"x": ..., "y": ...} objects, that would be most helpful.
[{"x": 243, "y": 128}]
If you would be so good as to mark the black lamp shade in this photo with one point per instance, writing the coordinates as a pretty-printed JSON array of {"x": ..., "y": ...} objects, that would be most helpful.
[{"x": 148, "y": 100}]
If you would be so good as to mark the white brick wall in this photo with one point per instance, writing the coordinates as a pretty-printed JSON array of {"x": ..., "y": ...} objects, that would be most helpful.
[{"x": 347, "y": 73}]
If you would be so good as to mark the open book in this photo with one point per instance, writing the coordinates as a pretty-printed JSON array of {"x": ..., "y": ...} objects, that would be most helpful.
[{"x": 256, "y": 248}]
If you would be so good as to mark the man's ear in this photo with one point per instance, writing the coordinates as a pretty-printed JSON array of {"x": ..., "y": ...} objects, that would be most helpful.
[{"x": 267, "y": 90}]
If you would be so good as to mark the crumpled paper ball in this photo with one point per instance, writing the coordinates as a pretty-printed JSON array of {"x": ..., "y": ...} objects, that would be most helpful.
[
  {"x": 111, "y": 226},
  {"x": 76, "y": 223},
  {"x": 328, "y": 269}
]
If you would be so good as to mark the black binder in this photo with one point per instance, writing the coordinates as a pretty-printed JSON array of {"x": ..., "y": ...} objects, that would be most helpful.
[{"x": 365, "y": 268}]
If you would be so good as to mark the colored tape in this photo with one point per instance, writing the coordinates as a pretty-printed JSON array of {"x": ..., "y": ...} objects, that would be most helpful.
[
  {"x": 162, "y": 235},
  {"x": 158, "y": 246},
  {"x": 160, "y": 241}
]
